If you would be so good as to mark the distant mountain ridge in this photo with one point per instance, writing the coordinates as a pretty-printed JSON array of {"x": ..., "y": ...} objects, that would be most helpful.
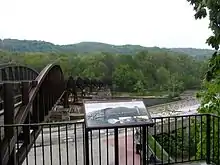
[{"x": 15, "y": 45}]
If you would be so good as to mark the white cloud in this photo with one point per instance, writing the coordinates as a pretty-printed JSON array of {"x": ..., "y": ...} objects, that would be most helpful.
[{"x": 163, "y": 23}]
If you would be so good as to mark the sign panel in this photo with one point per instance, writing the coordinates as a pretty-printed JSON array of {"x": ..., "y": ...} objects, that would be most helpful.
[{"x": 109, "y": 113}]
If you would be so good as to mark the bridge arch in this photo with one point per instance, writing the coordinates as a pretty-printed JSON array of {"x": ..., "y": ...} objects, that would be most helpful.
[
  {"x": 15, "y": 72},
  {"x": 40, "y": 94},
  {"x": 38, "y": 98},
  {"x": 50, "y": 87}
]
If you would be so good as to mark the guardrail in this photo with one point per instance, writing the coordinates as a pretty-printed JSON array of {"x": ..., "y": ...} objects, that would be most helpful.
[{"x": 64, "y": 143}]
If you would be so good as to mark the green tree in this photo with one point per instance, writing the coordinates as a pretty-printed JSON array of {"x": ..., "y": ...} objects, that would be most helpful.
[
  {"x": 162, "y": 75},
  {"x": 139, "y": 87},
  {"x": 146, "y": 71},
  {"x": 126, "y": 77},
  {"x": 210, "y": 95}
]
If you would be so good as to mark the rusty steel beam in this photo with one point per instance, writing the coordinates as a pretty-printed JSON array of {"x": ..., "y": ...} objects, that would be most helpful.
[{"x": 37, "y": 100}]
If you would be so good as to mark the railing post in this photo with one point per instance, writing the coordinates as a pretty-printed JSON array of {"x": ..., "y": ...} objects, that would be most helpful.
[
  {"x": 86, "y": 158},
  {"x": 208, "y": 138},
  {"x": 116, "y": 146},
  {"x": 9, "y": 119},
  {"x": 144, "y": 162}
]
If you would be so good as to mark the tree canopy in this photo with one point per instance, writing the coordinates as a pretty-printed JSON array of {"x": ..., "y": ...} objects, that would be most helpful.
[
  {"x": 139, "y": 73},
  {"x": 210, "y": 95}
]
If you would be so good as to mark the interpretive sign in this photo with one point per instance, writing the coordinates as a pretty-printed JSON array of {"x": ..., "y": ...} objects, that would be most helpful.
[{"x": 108, "y": 113}]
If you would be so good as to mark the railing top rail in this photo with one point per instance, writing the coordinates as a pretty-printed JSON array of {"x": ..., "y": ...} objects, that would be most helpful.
[
  {"x": 113, "y": 126},
  {"x": 44, "y": 124},
  {"x": 187, "y": 115},
  {"x": 15, "y": 82}
]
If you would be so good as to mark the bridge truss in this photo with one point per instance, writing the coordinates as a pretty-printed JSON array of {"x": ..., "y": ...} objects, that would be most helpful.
[{"x": 34, "y": 96}]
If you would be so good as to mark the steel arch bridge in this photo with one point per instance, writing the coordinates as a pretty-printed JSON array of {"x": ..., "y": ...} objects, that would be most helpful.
[{"x": 28, "y": 97}]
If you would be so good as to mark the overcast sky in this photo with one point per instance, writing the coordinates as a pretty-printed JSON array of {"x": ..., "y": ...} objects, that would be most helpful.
[{"x": 163, "y": 23}]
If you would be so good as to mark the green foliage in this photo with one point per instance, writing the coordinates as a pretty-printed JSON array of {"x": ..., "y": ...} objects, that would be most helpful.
[
  {"x": 177, "y": 144},
  {"x": 160, "y": 151},
  {"x": 27, "y": 46},
  {"x": 198, "y": 53},
  {"x": 139, "y": 87},
  {"x": 210, "y": 8},
  {"x": 210, "y": 96},
  {"x": 141, "y": 73}
]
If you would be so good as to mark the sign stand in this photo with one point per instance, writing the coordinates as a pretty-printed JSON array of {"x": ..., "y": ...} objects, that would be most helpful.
[{"x": 115, "y": 114}]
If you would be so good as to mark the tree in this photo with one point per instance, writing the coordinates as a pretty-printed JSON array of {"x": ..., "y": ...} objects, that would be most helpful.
[
  {"x": 144, "y": 71},
  {"x": 162, "y": 75},
  {"x": 174, "y": 85},
  {"x": 211, "y": 8},
  {"x": 139, "y": 87},
  {"x": 126, "y": 77},
  {"x": 210, "y": 96},
  {"x": 212, "y": 81}
]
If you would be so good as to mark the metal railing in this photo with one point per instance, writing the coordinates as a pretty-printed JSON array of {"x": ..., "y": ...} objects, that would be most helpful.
[{"x": 173, "y": 139}]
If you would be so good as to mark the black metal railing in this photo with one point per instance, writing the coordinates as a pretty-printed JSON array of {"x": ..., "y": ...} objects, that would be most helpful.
[{"x": 172, "y": 139}]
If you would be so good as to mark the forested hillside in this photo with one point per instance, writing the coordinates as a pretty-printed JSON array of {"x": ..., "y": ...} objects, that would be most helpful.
[
  {"x": 194, "y": 52},
  {"x": 91, "y": 47},
  {"x": 140, "y": 73}
]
